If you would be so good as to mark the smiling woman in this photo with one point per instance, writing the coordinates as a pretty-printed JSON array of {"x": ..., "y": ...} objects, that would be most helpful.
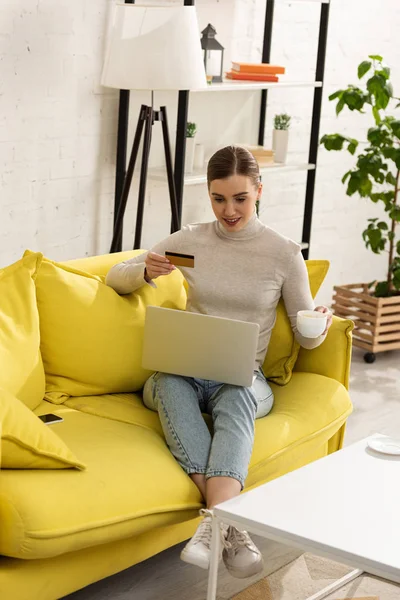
[
  {"x": 241, "y": 270},
  {"x": 231, "y": 169}
]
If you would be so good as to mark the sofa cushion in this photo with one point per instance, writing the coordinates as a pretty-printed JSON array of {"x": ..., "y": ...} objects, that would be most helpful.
[
  {"x": 91, "y": 338},
  {"x": 283, "y": 349},
  {"x": 21, "y": 367},
  {"x": 127, "y": 408},
  {"x": 27, "y": 443},
  {"x": 133, "y": 484},
  {"x": 100, "y": 265},
  {"x": 307, "y": 412}
]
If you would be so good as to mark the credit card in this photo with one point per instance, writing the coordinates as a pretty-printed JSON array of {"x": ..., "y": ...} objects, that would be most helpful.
[{"x": 180, "y": 260}]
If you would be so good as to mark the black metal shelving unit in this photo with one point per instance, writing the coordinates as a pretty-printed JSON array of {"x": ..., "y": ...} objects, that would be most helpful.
[{"x": 182, "y": 114}]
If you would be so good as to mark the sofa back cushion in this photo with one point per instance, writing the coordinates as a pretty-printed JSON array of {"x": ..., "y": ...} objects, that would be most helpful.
[
  {"x": 283, "y": 349},
  {"x": 21, "y": 367},
  {"x": 91, "y": 338}
]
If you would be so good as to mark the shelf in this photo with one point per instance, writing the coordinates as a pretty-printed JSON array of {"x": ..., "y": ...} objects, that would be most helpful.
[
  {"x": 237, "y": 86},
  {"x": 304, "y": 1},
  {"x": 199, "y": 176}
]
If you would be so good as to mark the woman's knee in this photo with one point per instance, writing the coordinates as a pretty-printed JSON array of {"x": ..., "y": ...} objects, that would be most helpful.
[
  {"x": 264, "y": 396},
  {"x": 264, "y": 405},
  {"x": 149, "y": 396},
  {"x": 161, "y": 388}
]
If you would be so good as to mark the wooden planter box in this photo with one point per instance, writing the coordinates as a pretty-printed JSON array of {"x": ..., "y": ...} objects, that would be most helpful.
[{"x": 377, "y": 320}]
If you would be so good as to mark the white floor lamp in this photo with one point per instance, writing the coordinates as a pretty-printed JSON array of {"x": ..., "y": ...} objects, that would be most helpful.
[{"x": 151, "y": 48}]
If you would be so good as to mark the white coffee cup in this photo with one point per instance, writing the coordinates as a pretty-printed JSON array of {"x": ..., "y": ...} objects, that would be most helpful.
[{"x": 311, "y": 323}]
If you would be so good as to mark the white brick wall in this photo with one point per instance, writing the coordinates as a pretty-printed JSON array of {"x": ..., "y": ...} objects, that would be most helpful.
[{"x": 58, "y": 126}]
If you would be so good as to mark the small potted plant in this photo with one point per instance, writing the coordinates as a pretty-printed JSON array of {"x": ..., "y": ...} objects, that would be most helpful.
[
  {"x": 374, "y": 306},
  {"x": 280, "y": 137},
  {"x": 191, "y": 129}
]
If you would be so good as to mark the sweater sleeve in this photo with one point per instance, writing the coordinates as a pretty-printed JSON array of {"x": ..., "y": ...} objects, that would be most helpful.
[
  {"x": 128, "y": 276},
  {"x": 297, "y": 296}
]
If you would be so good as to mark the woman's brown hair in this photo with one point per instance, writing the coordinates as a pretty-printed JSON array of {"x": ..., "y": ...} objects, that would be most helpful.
[{"x": 233, "y": 160}]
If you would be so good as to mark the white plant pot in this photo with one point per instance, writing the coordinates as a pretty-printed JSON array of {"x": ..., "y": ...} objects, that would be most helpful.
[
  {"x": 280, "y": 138},
  {"x": 189, "y": 158}
]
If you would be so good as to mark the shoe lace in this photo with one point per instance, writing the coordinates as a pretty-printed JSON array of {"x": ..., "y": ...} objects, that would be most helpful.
[
  {"x": 204, "y": 530},
  {"x": 235, "y": 539},
  {"x": 203, "y": 533}
]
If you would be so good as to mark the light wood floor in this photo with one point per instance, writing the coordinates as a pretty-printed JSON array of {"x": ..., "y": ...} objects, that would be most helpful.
[{"x": 375, "y": 392}]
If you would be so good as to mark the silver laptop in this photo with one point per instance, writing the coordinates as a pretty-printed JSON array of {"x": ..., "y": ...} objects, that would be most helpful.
[{"x": 193, "y": 345}]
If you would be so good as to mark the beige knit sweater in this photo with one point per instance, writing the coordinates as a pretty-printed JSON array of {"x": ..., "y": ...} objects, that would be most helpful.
[{"x": 238, "y": 275}]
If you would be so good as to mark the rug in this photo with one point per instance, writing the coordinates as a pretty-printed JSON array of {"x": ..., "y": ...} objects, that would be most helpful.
[{"x": 309, "y": 574}]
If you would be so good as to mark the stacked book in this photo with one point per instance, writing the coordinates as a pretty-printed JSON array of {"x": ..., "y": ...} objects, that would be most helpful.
[
  {"x": 255, "y": 72},
  {"x": 264, "y": 156}
]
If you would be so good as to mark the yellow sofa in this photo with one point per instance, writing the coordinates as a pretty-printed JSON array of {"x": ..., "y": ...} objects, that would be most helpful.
[{"x": 62, "y": 529}]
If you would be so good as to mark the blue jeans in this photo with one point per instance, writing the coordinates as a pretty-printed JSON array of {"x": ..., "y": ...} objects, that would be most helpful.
[{"x": 180, "y": 402}]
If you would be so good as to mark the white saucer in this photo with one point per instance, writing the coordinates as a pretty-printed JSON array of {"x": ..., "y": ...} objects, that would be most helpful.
[{"x": 385, "y": 445}]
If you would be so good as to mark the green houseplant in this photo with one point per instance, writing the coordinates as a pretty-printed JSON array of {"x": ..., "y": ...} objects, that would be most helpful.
[
  {"x": 280, "y": 137},
  {"x": 191, "y": 129},
  {"x": 374, "y": 307},
  {"x": 282, "y": 122},
  {"x": 376, "y": 172}
]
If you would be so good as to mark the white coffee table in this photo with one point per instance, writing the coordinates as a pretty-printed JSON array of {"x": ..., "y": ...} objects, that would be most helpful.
[{"x": 345, "y": 507}]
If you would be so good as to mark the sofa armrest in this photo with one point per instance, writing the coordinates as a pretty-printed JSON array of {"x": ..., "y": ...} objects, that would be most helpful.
[{"x": 333, "y": 357}]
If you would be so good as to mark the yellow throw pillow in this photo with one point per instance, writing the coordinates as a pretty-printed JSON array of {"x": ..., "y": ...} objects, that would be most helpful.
[
  {"x": 92, "y": 338},
  {"x": 283, "y": 349},
  {"x": 27, "y": 443},
  {"x": 21, "y": 367},
  {"x": 100, "y": 265}
]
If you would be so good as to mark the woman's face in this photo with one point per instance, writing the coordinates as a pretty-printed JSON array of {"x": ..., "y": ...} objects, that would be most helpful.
[{"x": 233, "y": 200}]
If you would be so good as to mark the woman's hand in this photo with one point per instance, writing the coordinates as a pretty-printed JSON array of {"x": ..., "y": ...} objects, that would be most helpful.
[
  {"x": 324, "y": 309},
  {"x": 157, "y": 265}
]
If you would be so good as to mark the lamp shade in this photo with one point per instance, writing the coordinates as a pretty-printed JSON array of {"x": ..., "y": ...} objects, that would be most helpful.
[{"x": 154, "y": 48}]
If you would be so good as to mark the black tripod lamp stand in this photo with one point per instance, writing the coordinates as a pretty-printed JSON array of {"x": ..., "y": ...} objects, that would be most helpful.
[{"x": 151, "y": 48}]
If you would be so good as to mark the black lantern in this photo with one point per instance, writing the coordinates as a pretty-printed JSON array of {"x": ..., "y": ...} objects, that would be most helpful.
[{"x": 213, "y": 54}]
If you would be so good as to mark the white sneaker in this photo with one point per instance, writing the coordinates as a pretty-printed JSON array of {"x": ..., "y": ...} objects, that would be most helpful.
[
  {"x": 241, "y": 556},
  {"x": 197, "y": 551}
]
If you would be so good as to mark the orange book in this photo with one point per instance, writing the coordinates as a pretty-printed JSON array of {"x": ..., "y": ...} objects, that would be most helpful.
[
  {"x": 251, "y": 76},
  {"x": 265, "y": 68}
]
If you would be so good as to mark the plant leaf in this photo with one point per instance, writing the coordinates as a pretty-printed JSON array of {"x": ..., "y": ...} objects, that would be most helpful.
[
  {"x": 352, "y": 147},
  {"x": 335, "y": 95},
  {"x": 375, "y": 57},
  {"x": 333, "y": 141},
  {"x": 382, "y": 289},
  {"x": 398, "y": 247},
  {"x": 395, "y": 127},
  {"x": 396, "y": 157},
  {"x": 390, "y": 178},
  {"x": 396, "y": 279},
  {"x": 363, "y": 68},
  {"x": 394, "y": 213},
  {"x": 382, "y": 225},
  {"x": 376, "y": 86},
  {"x": 354, "y": 183},
  {"x": 389, "y": 89},
  {"x": 346, "y": 176},
  {"x": 339, "y": 106}
]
